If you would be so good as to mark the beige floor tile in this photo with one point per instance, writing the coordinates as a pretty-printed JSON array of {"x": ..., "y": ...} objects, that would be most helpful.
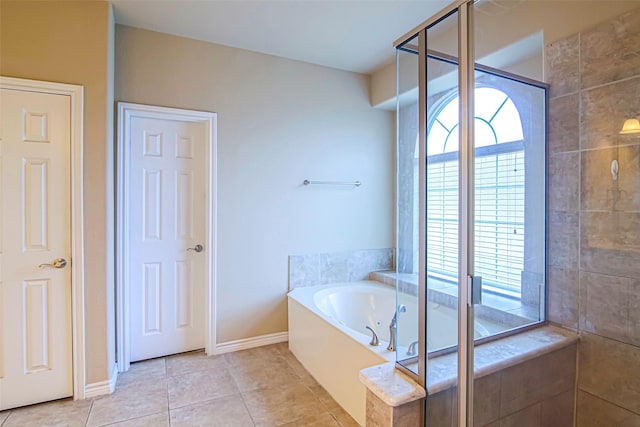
[
  {"x": 187, "y": 363},
  {"x": 132, "y": 401},
  {"x": 254, "y": 356},
  {"x": 161, "y": 419},
  {"x": 282, "y": 405},
  {"x": 142, "y": 371},
  {"x": 200, "y": 386},
  {"x": 299, "y": 370},
  {"x": 3, "y": 416},
  {"x": 263, "y": 374},
  {"x": 325, "y": 398},
  {"x": 322, "y": 420},
  {"x": 344, "y": 419},
  {"x": 227, "y": 411},
  {"x": 282, "y": 347},
  {"x": 58, "y": 413}
]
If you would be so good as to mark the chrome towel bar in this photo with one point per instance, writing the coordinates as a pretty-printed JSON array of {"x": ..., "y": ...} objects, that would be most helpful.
[{"x": 307, "y": 182}]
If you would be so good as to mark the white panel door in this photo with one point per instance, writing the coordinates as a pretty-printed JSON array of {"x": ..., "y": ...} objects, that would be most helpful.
[
  {"x": 167, "y": 207},
  {"x": 35, "y": 230}
]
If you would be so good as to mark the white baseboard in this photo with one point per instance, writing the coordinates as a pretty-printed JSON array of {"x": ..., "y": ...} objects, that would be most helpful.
[
  {"x": 102, "y": 387},
  {"x": 246, "y": 343}
]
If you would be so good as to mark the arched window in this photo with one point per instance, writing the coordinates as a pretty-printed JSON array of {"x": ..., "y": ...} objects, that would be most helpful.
[{"x": 499, "y": 191}]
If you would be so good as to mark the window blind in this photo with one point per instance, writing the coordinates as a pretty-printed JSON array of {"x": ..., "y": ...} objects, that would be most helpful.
[{"x": 499, "y": 218}]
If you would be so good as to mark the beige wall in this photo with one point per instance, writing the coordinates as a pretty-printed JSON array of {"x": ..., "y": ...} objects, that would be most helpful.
[
  {"x": 279, "y": 122},
  {"x": 68, "y": 42}
]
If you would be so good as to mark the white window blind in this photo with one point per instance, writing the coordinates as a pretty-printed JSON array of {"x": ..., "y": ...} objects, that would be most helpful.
[
  {"x": 499, "y": 219},
  {"x": 499, "y": 192}
]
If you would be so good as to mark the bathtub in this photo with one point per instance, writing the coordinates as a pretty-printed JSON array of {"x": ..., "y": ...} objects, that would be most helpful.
[{"x": 328, "y": 336}]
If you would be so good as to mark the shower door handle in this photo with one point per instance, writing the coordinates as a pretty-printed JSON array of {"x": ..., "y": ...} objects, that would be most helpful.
[{"x": 475, "y": 283}]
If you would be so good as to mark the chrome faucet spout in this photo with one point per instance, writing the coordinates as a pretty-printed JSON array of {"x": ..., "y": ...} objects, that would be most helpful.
[
  {"x": 393, "y": 328},
  {"x": 374, "y": 338}
]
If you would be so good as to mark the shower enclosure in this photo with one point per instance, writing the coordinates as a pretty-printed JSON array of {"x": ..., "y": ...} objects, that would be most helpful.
[
  {"x": 470, "y": 192},
  {"x": 515, "y": 204}
]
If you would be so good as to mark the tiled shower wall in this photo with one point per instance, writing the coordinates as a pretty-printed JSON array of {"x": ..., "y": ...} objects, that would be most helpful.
[
  {"x": 593, "y": 220},
  {"x": 335, "y": 267}
]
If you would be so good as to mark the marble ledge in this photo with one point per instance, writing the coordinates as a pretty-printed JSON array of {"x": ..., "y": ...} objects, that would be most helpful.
[
  {"x": 390, "y": 385},
  {"x": 500, "y": 354}
]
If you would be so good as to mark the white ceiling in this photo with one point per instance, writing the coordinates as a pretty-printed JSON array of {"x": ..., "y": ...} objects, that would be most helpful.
[{"x": 353, "y": 35}]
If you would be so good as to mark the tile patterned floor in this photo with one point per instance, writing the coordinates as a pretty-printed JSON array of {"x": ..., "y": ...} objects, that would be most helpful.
[{"x": 259, "y": 387}]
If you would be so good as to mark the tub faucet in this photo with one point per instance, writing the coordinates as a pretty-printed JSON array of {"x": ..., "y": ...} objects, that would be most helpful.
[
  {"x": 374, "y": 338},
  {"x": 393, "y": 327},
  {"x": 411, "y": 351}
]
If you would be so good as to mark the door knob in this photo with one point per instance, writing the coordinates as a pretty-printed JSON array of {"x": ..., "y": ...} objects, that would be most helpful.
[
  {"x": 57, "y": 263},
  {"x": 196, "y": 248}
]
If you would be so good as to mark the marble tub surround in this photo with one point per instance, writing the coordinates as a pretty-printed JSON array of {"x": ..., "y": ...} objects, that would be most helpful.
[
  {"x": 537, "y": 392},
  {"x": 333, "y": 267},
  {"x": 393, "y": 399},
  {"x": 543, "y": 359},
  {"x": 593, "y": 260},
  {"x": 390, "y": 385},
  {"x": 496, "y": 356}
]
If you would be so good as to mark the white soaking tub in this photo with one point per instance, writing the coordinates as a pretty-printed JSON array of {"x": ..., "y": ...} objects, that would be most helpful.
[{"x": 328, "y": 336}]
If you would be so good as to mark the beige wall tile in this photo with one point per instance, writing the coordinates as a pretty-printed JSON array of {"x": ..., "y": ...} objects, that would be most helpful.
[
  {"x": 563, "y": 130},
  {"x": 599, "y": 191},
  {"x": 605, "y": 305},
  {"x": 562, "y": 301},
  {"x": 409, "y": 414},
  {"x": 563, "y": 174},
  {"x": 610, "y": 370},
  {"x": 486, "y": 398},
  {"x": 603, "y": 111},
  {"x": 544, "y": 377},
  {"x": 379, "y": 414},
  {"x": 557, "y": 411},
  {"x": 562, "y": 66},
  {"x": 562, "y": 239},
  {"x": 528, "y": 417},
  {"x": 609, "y": 52},
  {"x": 610, "y": 243},
  {"x": 595, "y": 412},
  {"x": 439, "y": 410}
]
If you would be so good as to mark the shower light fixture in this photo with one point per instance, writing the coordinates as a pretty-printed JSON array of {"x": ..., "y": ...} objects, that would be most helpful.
[{"x": 630, "y": 126}]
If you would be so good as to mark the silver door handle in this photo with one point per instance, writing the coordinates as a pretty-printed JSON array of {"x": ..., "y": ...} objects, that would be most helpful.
[
  {"x": 196, "y": 248},
  {"x": 57, "y": 263}
]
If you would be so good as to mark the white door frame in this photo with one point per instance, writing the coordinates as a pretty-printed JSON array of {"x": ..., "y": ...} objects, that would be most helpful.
[
  {"x": 76, "y": 96},
  {"x": 126, "y": 112}
]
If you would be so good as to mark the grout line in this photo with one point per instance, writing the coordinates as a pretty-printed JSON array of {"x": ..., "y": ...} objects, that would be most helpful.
[
  {"x": 9, "y": 412},
  {"x": 609, "y": 402},
  {"x": 626, "y": 79},
  {"x": 131, "y": 419},
  {"x": 246, "y": 407},
  {"x": 166, "y": 378},
  {"x": 86, "y": 421}
]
